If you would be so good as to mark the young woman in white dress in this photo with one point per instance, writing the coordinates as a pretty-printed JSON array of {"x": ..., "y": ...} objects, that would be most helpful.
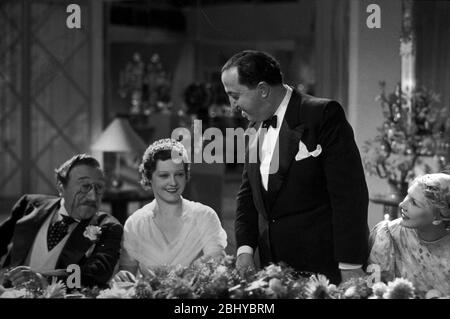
[{"x": 170, "y": 230}]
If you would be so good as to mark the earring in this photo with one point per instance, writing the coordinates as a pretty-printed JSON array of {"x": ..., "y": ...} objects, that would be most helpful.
[{"x": 436, "y": 222}]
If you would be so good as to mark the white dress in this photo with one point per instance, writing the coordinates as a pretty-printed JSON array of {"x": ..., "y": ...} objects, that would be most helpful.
[{"x": 144, "y": 244}]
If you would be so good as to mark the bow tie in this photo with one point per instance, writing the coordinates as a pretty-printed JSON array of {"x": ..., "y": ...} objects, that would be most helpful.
[
  {"x": 67, "y": 219},
  {"x": 272, "y": 121}
]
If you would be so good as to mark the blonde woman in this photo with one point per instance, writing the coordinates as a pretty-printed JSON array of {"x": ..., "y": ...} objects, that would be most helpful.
[{"x": 417, "y": 245}]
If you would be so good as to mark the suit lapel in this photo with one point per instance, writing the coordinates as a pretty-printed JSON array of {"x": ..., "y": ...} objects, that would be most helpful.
[
  {"x": 287, "y": 144},
  {"x": 27, "y": 228},
  {"x": 76, "y": 245},
  {"x": 289, "y": 137},
  {"x": 253, "y": 173}
]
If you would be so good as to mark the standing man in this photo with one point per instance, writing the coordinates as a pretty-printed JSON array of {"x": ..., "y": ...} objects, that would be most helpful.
[
  {"x": 304, "y": 202},
  {"x": 46, "y": 233}
]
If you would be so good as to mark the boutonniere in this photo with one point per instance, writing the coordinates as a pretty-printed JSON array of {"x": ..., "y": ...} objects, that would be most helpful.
[{"x": 93, "y": 234}]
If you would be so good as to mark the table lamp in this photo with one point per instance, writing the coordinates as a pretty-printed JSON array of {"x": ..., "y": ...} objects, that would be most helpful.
[{"x": 119, "y": 137}]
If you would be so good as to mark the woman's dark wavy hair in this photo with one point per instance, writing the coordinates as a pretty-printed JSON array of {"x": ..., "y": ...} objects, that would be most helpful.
[
  {"x": 161, "y": 150},
  {"x": 254, "y": 67}
]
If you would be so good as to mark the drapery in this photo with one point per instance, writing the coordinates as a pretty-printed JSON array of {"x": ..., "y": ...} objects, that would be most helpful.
[
  {"x": 45, "y": 93},
  {"x": 331, "y": 50},
  {"x": 432, "y": 27}
]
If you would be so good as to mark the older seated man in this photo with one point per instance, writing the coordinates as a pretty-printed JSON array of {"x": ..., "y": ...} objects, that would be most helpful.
[{"x": 47, "y": 233}]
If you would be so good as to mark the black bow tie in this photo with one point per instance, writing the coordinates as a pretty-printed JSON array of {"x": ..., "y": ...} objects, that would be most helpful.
[
  {"x": 272, "y": 121},
  {"x": 67, "y": 219}
]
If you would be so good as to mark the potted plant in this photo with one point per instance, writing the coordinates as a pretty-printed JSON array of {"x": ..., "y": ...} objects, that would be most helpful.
[{"x": 415, "y": 127}]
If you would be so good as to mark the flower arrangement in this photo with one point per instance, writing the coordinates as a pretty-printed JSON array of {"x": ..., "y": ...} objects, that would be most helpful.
[
  {"x": 206, "y": 101},
  {"x": 197, "y": 98},
  {"x": 415, "y": 126},
  {"x": 212, "y": 279},
  {"x": 149, "y": 85}
]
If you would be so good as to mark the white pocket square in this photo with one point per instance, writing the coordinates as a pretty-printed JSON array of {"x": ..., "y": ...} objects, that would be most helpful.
[{"x": 304, "y": 153}]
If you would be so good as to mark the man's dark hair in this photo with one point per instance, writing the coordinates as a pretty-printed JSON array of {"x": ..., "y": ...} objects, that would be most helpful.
[
  {"x": 254, "y": 67},
  {"x": 62, "y": 172}
]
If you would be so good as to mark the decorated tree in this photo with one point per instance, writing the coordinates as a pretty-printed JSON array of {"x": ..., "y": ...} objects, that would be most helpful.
[{"x": 415, "y": 127}]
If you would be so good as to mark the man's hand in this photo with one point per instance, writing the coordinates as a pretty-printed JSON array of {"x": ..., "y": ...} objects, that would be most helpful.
[
  {"x": 348, "y": 274},
  {"x": 23, "y": 274},
  {"x": 244, "y": 263}
]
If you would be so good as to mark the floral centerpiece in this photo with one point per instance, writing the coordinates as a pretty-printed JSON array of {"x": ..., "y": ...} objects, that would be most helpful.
[
  {"x": 212, "y": 279},
  {"x": 415, "y": 126}
]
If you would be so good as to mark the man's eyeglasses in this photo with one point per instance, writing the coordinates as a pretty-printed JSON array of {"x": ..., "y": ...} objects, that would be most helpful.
[{"x": 99, "y": 188}]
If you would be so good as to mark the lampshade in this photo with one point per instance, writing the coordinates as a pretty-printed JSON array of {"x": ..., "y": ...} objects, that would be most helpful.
[{"x": 119, "y": 136}]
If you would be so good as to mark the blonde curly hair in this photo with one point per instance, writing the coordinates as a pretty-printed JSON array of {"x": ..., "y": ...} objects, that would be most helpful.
[{"x": 436, "y": 189}]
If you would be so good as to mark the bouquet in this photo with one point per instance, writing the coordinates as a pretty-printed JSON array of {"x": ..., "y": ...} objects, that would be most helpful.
[
  {"x": 414, "y": 126},
  {"x": 211, "y": 279}
]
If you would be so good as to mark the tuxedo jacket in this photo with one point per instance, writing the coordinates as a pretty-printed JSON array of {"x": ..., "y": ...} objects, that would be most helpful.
[
  {"x": 314, "y": 214},
  {"x": 27, "y": 217}
]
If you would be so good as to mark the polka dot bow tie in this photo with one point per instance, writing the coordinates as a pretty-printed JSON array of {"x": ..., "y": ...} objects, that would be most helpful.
[
  {"x": 270, "y": 122},
  {"x": 58, "y": 231}
]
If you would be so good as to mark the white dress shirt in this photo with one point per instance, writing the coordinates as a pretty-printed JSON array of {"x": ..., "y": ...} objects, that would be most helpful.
[
  {"x": 267, "y": 150},
  {"x": 270, "y": 139}
]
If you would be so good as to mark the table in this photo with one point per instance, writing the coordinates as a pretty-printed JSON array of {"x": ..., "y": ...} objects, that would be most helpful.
[
  {"x": 390, "y": 205},
  {"x": 119, "y": 199}
]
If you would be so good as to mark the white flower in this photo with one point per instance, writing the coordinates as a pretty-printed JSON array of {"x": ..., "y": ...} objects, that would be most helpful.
[
  {"x": 221, "y": 270},
  {"x": 57, "y": 289},
  {"x": 318, "y": 287},
  {"x": 272, "y": 270},
  {"x": 92, "y": 232},
  {"x": 433, "y": 293},
  {"x": 277, "y": 287},
  {"x": 378, "y": 290},
  {"x": 260, "y": 283},
  {"x": 117, "y": 292},
  {"x": 400, "y": 288},
  {"x": 350, "y": 292}
]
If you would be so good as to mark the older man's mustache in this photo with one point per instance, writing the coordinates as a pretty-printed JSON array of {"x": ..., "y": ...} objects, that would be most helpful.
[{"x": 90, "y": 203}]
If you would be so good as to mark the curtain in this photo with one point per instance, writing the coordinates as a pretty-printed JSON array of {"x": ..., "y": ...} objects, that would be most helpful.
[
  {"x": 331, "y": 50},
  {"x": 432, "y": 27},
  {"x": 45, "y": 97},
  {"x": 10, "y": 110}
]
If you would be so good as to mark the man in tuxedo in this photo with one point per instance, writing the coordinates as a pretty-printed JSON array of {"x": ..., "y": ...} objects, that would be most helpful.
[
  {"x": 45, "y": 233},
  {"x": 304, "y": 200}
]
